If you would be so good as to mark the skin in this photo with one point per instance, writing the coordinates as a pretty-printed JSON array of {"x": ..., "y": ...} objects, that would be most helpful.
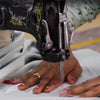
[
  {"x": 89, "y": 88},
  {"x": 50, "y": 76}
]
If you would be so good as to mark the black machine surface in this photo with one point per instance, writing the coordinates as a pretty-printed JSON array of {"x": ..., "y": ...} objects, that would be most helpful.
[{"x": 45, "y": 20}]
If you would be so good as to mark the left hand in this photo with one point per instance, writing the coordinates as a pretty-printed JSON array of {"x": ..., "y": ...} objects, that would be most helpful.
[{"x": 90, "y": 88}]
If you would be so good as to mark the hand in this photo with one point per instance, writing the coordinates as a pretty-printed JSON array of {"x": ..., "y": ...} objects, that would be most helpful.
[
  {"x": 50, "y": 76},
  {"x": 90, "y": 88}
]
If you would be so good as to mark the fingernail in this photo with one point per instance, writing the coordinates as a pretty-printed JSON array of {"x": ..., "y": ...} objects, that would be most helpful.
[
  {"x": 71, "y": 79},
  {"x": 7, "y": 82},
  {"x": 21, "y": 86},
  {"x": 36, "y": 88},
  {"x": 47, "y": 88}
]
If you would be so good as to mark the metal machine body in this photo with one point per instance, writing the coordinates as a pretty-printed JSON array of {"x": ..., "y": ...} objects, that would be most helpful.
[{"x": 45, "y": 19}]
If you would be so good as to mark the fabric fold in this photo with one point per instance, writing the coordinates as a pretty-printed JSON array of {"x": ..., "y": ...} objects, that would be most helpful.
[{"x": 18, "y": 57}]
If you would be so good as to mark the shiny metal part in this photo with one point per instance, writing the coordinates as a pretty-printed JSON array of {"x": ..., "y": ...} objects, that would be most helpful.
[
  {"x": 62, "y": 17},
  {"x": 60, "y": 43},
  {"x": 65, "y": 32},
  {"x": 72, "y": 30},
  {"x": 61, "y": 71},
  {"x": 66, "y": 36},
  {"x": 2, "y": 16},
  {"x": 49, "y": 42}
]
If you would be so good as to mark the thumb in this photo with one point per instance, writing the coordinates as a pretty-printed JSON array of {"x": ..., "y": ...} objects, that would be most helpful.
[{"x": 74, "y": 74}]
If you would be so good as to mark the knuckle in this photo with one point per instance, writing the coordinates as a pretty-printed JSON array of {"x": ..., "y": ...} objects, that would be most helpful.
[
  {"x": 85, "y": 85},
  {"x": 96, "y": 90},
  {"x": 75, "y": 74},
  {"x": 73, "y": 90},
  {"x": 21, "y": 79},
  {"x": 42, "y": 83},
  {"x": 27, "y": 75},
  {"x": 77, "y": 71},
  {"x": 95, "y": 93},
  {"x": 44, "y": 80},
  {"x": 29, "y": 82}
]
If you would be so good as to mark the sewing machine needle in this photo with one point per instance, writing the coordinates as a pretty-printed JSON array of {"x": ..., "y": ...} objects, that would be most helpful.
[{"x": 61, "y": 71}]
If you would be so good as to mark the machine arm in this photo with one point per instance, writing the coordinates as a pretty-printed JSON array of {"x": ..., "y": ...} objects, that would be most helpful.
[{"x": 44, "y": 19}]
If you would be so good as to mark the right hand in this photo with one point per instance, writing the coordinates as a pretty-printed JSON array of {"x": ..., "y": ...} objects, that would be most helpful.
[{"x": 50, "y": 76}]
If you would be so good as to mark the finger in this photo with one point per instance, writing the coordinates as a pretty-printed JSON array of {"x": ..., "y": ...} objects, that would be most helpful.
[
  {"x": 47, "y": 77},
  {"x": 74, "y": 74},
  {"x": 94, "y": 92},
  {"x": 32, "y": 80},
  {"x": 81, "y": 88},
  {"x": 44, "y": 81},
  {"x": 26, "y": 76},
  {"x": 56, "y": 82}
]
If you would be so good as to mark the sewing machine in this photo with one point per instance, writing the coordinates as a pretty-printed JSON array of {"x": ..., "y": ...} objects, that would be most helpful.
[{"x": 46, "y": 20}]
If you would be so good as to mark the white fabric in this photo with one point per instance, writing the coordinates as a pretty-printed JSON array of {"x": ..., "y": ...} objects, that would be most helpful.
[
  {"x": 18, "y": 57},
  {"x": 90, "y": 63},
  {"x": 88, "y": 59}
]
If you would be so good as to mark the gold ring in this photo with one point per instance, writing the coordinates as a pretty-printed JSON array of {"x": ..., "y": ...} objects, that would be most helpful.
[{"x": 37, "y": 74}]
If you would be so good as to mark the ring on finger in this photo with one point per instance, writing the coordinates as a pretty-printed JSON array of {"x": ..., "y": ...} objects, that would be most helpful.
[{"x": 37, "y": 74}]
